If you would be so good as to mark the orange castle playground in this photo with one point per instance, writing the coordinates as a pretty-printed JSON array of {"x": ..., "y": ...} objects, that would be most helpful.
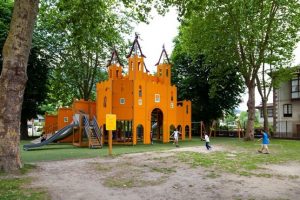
[{"x": 141, "y": 102}]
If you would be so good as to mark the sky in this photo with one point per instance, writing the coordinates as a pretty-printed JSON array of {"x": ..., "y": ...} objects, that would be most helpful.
[{"x": 160, "y": 31}]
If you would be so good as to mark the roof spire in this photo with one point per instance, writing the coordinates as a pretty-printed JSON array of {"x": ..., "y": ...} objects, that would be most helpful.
[
  {"x": 163, "y": 53},
  {"x": 136, "y": 47},
  {"x": 114, "y": 58}
]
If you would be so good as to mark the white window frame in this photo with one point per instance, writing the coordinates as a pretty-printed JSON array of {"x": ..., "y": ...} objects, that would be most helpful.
[
  {"x": 66, "y": 119},
  {"x": 157, "y": 98},
  {"x": 122, "y": 101},
  {"x": 287, "y": 110},
  {"x": 140, "y": 102}
]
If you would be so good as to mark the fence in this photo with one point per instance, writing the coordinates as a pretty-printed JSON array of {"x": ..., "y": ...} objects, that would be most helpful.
[
  {"x": 287, "y": 129},
  {"x": 284, "y": 129}
]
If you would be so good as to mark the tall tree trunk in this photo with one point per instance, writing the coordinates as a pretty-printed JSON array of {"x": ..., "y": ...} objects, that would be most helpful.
[
  {"x": 265, "y": 114},
  {"x": 13, "y": 80},
  {"x": 251, "y": 111}
]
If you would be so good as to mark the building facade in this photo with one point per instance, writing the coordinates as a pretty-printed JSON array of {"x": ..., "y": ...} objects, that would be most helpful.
[
  {"x": 270, "y": 113},
  {"x": 287, "y": 109}
]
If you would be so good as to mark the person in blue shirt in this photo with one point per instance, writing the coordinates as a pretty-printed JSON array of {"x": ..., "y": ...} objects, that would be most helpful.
[{"x": 265, "y": 142}]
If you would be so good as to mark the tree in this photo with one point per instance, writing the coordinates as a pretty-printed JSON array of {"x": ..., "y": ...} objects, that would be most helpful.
[
  {"x": 37, "y": 70},
  {"x": 36, "y": 87},
  {"x": 13, "y": 80},
  {"x": 5, "y": 16},
  {"x": 83, "y": 35},
  {"x": 80, "y": 44},
  {"x": 13, "y": 76},
  {"x": 213, "y": 88},
  {"x": 264, "y": 86},
  {"x": 243, "y": 33}
]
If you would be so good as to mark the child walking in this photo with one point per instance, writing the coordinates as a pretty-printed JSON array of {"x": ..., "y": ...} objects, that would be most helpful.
[
  {"x": 206, "y": 138},
  {"x": 265, "y": 142},
  {"x": 176, "y": 135}
]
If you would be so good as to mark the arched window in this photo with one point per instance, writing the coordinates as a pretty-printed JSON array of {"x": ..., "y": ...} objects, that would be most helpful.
[
  {"x": 140, "y": 133},
  {"x": 187, "y": 109},
  {"x": 172, "y": 98},
  {"x": 140, "y": 91},
  {"x": 104, "y": 102},
  {"x": 167, "y": 72},
  {"x": 187, "y": 130}
]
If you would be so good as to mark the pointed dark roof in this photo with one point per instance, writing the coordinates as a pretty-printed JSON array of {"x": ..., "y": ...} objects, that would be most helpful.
[
  {"x": 135, "y": 45},
  {"x": 114, "y": 57},
  {"x": 163, "y": 52},
  {"x": 146, "y": 68}
]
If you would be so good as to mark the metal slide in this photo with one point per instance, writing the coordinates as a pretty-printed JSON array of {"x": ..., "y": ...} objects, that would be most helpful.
[{"x": 61, "y": 134}]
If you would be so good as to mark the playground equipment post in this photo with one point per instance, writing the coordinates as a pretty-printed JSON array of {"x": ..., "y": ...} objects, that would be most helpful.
[{"x": 110, "y": 126}]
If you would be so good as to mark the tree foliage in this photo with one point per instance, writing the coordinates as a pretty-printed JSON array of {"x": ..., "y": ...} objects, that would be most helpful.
[
  {"x": 82, "y": 36},
  {"x": 214, "y": 88},
  {"x": 5, "y": 17},
  {"x": 37, "y": 69},
  {"x": 245, "y": 34},
  {"x": 36, "y": 86}
]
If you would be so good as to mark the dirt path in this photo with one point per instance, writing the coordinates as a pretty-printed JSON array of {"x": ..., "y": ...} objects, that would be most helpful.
[{"x": 159, "y": 176}]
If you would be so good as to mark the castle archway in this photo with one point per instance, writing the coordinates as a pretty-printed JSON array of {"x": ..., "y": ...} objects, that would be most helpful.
[
  {"x": 172, "y": 129},
  {"x": 157, "y": 124},
  {"x": 187, "y": 131},
  {"x": 140, "y": 133},
  {"x": 179, "y": 128}
]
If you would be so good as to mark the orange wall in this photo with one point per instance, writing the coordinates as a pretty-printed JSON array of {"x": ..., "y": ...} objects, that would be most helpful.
[
  {"x": 65, "y": 117},
  {"x": 50, "y": 123},
  {"x": 184, "y": 112},
  {"x": 122, "y": 89},
  {"x": 88, "y": 107},
  {"x": 104, "y": 101}
]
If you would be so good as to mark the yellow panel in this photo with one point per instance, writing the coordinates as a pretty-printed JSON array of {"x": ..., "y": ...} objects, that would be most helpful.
[{"x": 111, "y": 122}]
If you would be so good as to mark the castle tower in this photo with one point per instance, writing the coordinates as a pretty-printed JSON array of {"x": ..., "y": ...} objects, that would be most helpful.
[
  {"x": 136, "y": 63},
  {"x": 114, "y": 66},
  {"x": 164, "y": 67}
]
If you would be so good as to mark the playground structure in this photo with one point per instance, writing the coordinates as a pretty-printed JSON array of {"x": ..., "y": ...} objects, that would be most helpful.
[
  {"x": 215, "y": 131},
  {"x": 76, "y": 125},
  {"x": 143, "y": 103}
]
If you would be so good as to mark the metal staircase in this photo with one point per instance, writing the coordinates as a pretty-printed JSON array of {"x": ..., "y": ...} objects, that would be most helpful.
[{"x": 92, "y": 131}]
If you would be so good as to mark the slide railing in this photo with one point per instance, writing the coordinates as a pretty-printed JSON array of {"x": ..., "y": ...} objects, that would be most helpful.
[
  {"x": 96, "y": 129},
  {"x": 86, "y": 125}
]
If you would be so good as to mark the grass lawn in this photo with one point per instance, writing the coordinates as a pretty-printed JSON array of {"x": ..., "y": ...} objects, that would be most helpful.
[
  {"x": 15, "y": 187},
  {"x": 239, "y": 157},
  {"x": 281, "y": 150},
  {"x": 242, "y": 157},
  {"x": 68, "y": 151}
]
